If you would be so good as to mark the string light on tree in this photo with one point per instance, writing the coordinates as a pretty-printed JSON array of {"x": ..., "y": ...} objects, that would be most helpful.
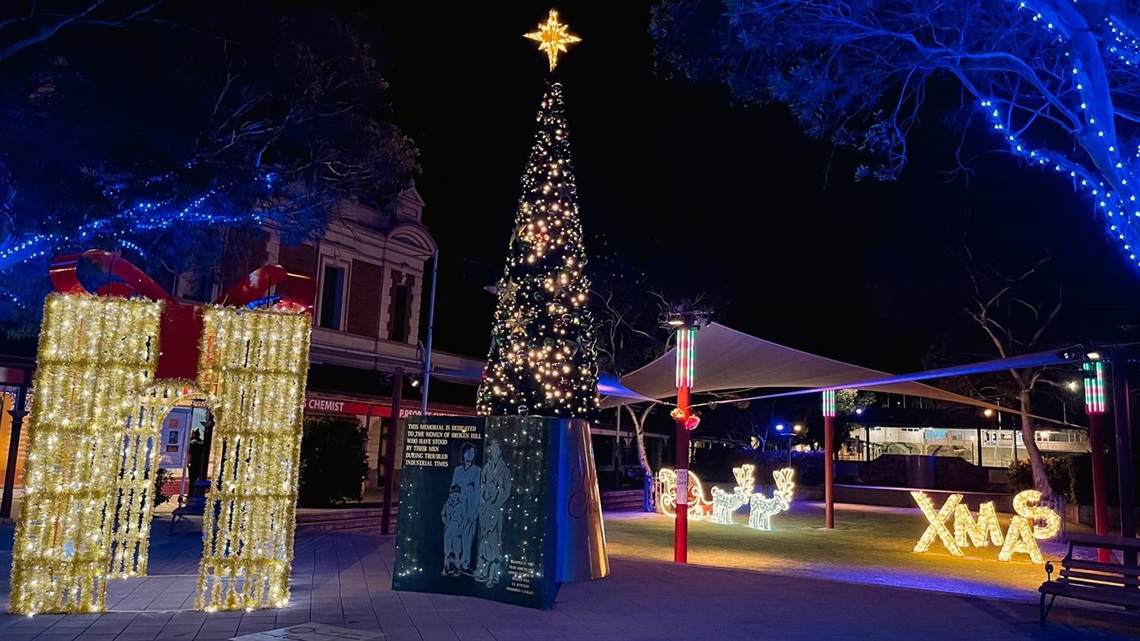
[
  {"x": 1085, "y": 96},
  {"x": 542, "y": 359}
]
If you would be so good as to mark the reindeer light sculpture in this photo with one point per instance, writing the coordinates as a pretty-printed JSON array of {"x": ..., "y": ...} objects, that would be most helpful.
[
  {"x": 725, "y": 503},
  {"x": 763, "y": 508}
]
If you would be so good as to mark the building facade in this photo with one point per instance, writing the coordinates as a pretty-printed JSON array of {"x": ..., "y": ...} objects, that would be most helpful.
[{"x": 369, "y": 270}]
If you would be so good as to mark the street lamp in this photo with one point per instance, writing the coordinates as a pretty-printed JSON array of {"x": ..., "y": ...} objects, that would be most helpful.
[{"x": 791, "y": 434}]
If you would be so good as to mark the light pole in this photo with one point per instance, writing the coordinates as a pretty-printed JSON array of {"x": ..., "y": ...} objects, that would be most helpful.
[
  {"x": 686, "y": 322},
  {"x": 430, "y": 331},
  {"x": 1095, "y": 406},
  {"x": 829, "y": 458},
  {"x": 390, "y": 451},
  {"x": 18, "y": 412},
  {"x": 791, "y": 434}
]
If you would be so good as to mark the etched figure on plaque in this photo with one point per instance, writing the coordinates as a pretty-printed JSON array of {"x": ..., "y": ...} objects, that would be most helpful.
[
  {"x": 454, "y": 515},
  {"x": 496, "y": 483},
  {"x": 466, "y": 477}
]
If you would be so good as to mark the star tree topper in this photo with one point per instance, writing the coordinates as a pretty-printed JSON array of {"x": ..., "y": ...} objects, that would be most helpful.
[{"x": 552, "y": 37}]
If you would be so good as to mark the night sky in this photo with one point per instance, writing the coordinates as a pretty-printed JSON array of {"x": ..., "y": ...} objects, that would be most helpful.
[{"x": 705, "y": 195}]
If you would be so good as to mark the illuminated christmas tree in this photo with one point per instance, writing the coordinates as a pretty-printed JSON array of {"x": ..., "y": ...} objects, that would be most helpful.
[{"x": 542, "y": 359}]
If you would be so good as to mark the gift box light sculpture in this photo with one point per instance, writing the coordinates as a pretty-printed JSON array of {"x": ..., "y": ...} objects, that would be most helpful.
[
  {"x": 101, "y": 395},
  {"x": 1020, "y": 538},
  {"x": 133, "y": 492},
  {"x": 96, "y": 356},
  {"x": 255, "y": 365}
]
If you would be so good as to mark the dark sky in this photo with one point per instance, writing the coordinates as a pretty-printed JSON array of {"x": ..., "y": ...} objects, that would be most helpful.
[{"x": 702, "y": 194}]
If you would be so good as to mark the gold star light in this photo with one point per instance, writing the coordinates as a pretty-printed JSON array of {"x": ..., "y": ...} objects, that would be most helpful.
[{"x": 552, "y": 37}]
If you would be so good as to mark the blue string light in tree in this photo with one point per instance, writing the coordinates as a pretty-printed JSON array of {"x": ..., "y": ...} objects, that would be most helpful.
[
  {"x": 144, "y": 216},
  {"x": 1111, "y": 178}
]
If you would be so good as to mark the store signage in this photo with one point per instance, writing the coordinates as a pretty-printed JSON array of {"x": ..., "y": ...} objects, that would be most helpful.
[{"x": 332, "y": 406}]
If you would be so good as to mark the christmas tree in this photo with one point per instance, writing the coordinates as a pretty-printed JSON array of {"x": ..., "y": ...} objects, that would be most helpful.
[{"x": 542, "y": 359}]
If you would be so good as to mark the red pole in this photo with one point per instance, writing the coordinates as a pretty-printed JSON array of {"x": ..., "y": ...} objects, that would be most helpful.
[
  {"x": 1100, "y": 500},
  {"x": 829, "y": 471},
  {"x": 681, "y": 524}
]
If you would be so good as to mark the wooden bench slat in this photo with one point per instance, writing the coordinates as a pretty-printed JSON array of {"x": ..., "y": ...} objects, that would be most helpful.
[
  {"x": 1097, "y": 566},
  {"x": 1103, "y": 579},
  {"x": 1110, "y": 542},
  {"x": 1101, "y": 594}
]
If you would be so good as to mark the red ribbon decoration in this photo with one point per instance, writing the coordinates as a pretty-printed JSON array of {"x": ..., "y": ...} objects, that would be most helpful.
[
  {"x": 691, "y": 421},
  {"x": 181, "y": 326}
]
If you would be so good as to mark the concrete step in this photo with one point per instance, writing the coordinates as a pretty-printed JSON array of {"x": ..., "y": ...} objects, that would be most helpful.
[
  {"x": 623, "y": 500},
  {"x": 306, "y": 515},
  {"x": 353, "y": 519}
]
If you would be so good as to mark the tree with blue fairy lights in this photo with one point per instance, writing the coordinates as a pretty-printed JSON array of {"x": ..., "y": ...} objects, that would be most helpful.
[
  {"x": 1055, "y": 81},
  {"x": 165, "y": 130}
]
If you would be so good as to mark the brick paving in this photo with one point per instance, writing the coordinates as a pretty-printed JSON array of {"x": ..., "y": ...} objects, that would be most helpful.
[{"x": 344, "y": 579}]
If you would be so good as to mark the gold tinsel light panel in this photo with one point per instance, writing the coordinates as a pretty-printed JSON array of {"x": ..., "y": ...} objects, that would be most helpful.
[
  {"x": 93, "y": 440},
  {"x": 255, "y": 363},
  {"x": 96, "y": 356},
  {"x": 134, "y": 496}
]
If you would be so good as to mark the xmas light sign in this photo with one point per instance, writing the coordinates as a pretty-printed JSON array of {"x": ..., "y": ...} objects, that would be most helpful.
[{"x": 1031, "y": 523}]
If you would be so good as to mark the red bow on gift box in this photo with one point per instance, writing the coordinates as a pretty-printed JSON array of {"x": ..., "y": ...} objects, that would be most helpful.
[{"x": 271, "y": 285}]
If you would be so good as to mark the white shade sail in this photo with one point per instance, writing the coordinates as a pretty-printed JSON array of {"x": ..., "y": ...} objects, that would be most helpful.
[{"x": 730, "y": 360}]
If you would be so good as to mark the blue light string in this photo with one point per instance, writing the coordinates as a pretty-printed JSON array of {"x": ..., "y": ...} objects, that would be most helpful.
[
  {"x": 144, "y": 216},
  {"x": 1122, "y": 211}
]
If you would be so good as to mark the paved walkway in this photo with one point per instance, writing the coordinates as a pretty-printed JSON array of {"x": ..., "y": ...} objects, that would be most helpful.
[{"x": 344, "y": 579}]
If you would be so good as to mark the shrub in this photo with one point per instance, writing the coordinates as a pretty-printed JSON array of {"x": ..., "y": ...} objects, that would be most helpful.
[
  {"x": 715, "y": 464},
  {"x": 1059, "y": 469},
  {"x": 162, "y": 476},
  {"x": 334, "y": 461},
  {"x": 808, "y": 466}
]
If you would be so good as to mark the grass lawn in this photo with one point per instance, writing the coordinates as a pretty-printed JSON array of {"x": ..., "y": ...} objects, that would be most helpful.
[{"x": 868, "y": 545}]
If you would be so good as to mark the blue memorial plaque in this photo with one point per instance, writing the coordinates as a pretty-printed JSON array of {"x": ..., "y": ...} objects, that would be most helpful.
[{"x": 477, "y": 509}]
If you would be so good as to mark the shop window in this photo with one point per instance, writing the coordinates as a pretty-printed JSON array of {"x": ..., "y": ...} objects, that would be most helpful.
[
  {"x": 401, "y": 323},
  {"x": 332, "y": 297}
]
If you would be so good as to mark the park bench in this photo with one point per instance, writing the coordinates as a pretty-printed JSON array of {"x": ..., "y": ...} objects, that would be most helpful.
[
  {"x": 1088, "y": 579},
  {"x": 194, "y": 505}
]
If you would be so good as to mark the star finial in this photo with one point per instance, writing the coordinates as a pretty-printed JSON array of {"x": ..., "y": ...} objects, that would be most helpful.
[{"x": 552, "y": 37}]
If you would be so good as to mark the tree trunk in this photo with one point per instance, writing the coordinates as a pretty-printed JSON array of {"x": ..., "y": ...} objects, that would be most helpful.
[
  {"x": 1036, "y": 463},
  {"x": 638, "y": 423}
]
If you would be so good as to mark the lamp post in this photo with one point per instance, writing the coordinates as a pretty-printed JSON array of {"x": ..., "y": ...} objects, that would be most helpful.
[
  {"x": 791, "y": 434},
  {"x": 18, "y": 412},
  {"x": 390, "y": 451},
  {"x": 430, "y": 331},
  {"x": 686, "y": 322}
]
